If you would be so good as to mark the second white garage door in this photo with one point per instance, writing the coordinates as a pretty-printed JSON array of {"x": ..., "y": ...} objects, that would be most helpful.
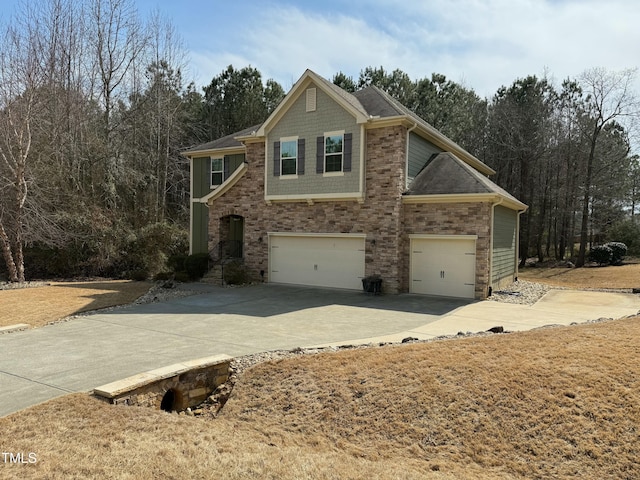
[
  {"x": 443, "y": 265},
  {"x": 319, "y": 260}
]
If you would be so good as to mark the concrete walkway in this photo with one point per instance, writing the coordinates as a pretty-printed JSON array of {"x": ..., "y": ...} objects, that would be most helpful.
[
  {"x": 557, "y": 307},
  {"x": 40, "y": 364}
]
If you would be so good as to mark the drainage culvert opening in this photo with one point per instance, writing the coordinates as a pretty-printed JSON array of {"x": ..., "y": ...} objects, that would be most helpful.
[{"x": 172, "y": 401}]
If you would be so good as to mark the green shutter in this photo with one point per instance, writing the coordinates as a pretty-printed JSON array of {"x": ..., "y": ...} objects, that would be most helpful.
[
  {"x": 320, "y": 155},
  {"x": 301, "y": 156},
  {"x": 276, "y": 159},
  {"x": 348, "y": 140}
]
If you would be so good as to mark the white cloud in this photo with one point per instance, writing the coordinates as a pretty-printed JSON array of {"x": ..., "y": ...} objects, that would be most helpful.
[{"x": 486, "y": 43}]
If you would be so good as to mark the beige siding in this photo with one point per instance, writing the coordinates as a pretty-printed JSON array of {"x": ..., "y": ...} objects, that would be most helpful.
[{"x": 297, "y": 122}]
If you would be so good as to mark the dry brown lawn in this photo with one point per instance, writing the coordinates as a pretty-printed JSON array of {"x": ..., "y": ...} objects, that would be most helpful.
[
  {"x": 38, "y": 306},
  {"x": 558, "y": 402},
  {"x": 552, "y": 403},
  {"x": 614, "y": 277}
]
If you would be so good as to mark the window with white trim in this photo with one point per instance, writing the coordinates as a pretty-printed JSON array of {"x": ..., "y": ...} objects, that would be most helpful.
[
  {"x": 289, "y": 156},
  {"x": 333, "y": 152},
  {"x": 217, "y": 171}
]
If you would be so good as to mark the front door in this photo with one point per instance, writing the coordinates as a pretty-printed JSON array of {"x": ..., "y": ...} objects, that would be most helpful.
[
  {"x": 236, "y": 236},
  {"x": 231, "y": 237}
]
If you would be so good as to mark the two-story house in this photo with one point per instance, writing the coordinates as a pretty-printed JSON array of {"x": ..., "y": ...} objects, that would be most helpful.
[{"x": 335, "y": 186}]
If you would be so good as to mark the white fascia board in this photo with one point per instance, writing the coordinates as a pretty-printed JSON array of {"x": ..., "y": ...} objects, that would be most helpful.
[
  {"x": 226, "y": 185},
  {"x": 464, "y": 198},
  {"x": 300, "y": 86},
  {"x": 430, "y": 236},
  {"x": 216, "y": 152},
  {"x": 312, "y": 234},
  {"x": 319, "y": 197}
]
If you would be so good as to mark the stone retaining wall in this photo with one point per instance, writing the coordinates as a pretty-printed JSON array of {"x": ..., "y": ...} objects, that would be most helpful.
[{"x": 174, "y": 387}]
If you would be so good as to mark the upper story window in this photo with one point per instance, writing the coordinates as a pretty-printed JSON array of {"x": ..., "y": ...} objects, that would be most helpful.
[
  {"x": 333, "y": 152},
  {"x": 289, "y": 157},
  {"x": 217, "y": 171}
]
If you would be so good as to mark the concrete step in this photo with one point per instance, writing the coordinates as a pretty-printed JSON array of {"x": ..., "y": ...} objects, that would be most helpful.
[{"x": 214, "y": 276}]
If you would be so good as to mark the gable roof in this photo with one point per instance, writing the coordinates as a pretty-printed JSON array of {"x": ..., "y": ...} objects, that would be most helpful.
[
  {"x": 446, "y": 174},
  {"x": 340, "y": 96},
  {"x": 369, "y": 106},
  {"x": 380, "y": 104},
  {"x": 228, "y": 141}
]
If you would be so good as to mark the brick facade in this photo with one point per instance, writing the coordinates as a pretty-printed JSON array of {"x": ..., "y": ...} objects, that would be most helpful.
[
  {"x": 450, "y": 219},
  {"x": 381, "y": 216}
]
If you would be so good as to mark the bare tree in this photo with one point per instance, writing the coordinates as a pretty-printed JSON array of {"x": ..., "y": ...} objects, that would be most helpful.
[
  {"x": 116, "y": 40},
  {"x": 609, "y": 97},
  {"x": 20, "y": 78}
]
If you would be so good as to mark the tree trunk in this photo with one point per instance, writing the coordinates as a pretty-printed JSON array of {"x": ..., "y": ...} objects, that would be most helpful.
[
  {"x": 584, "y": 222},
  {"x": 5, "y": 244}
]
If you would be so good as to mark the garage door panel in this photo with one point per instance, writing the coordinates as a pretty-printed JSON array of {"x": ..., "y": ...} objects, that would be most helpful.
[
  {"x": 443, "y": 267},
  {"x": 318, "y": 261}
]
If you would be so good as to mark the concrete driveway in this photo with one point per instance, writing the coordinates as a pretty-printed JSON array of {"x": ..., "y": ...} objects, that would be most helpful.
[{"x": 40, "y": 364}]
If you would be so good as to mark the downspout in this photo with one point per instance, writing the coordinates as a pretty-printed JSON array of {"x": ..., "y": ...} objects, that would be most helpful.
[
  {"x": 493, "y": 210},
  {"x": 406, "y": 273},
  {"x": 520, "y": 212},
  {"x": 190, "y": 205}
]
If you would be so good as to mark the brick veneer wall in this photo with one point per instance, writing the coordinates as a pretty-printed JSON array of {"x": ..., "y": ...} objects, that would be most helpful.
[
  {"x": 379, "y": 216},
  {"x": 382, "y": 216},
  {"x": 450, "y": 219}
]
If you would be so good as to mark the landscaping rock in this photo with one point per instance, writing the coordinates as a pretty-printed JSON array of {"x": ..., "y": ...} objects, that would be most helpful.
[
  {"x": 520, "y": 292},
  {"x": 409, "y": 339}
]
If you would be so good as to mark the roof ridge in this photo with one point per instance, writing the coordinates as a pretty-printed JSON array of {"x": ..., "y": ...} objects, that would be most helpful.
[{"x": 349, "y": 97}]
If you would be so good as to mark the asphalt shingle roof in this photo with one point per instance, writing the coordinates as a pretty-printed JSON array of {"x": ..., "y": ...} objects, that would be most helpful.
[
  {"x": 228, "y": 141},
  {"x": 445, "y": 173}
]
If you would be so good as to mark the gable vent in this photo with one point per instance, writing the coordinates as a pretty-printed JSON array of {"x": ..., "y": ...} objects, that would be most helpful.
[{"x": 311, "y": 99}]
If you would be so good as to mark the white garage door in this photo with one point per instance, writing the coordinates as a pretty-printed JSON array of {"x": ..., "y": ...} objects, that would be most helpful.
[
  {"x": 443, "y": 266},
  {"x": 323, "y": 261}
]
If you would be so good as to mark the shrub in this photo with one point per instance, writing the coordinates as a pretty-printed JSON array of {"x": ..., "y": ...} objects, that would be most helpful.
[
  {"x": 235, "y": 274},
  {"x": 163, "y": 276},
  {"x": 149, "y": 247},
  {"x": 196, "y": 265},
  {"x": 176, "y": 263},
  {"x": 139, "y": 275},
  {"x": 627, "y": 232},
  {"x": 181, "y": 277},
  {"x": 618, "y": 250},
  {"x": 601, "y": 254}
]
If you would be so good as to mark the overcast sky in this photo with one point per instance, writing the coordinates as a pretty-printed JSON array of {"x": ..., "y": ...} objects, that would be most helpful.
[{"x": 482, "y": 43}]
